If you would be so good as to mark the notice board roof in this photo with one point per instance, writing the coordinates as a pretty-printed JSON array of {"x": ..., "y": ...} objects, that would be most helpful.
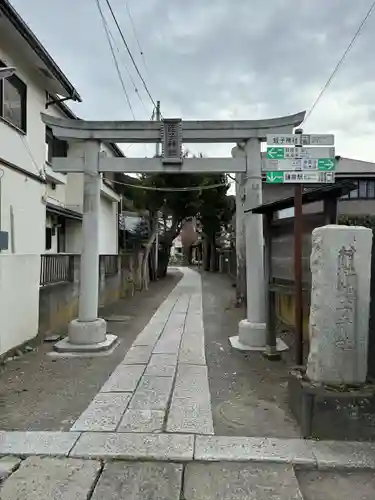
[{"x": 309, "y": 196}]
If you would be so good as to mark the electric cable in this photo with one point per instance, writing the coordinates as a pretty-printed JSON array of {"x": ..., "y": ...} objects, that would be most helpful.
[{"x": 341, "y": 61}]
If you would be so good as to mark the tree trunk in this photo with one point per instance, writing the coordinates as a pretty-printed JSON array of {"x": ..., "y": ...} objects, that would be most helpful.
[
  {"x": 147, "y": 251},
  {"x": 213, "y": 255},
  {"x": 206, "y": 254}
]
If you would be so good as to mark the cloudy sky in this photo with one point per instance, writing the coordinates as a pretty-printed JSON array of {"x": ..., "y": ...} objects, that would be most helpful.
[{"x": 219, "y": 59}]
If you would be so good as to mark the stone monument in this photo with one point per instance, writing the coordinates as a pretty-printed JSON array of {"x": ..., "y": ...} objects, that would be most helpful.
[
  {"x": 340, "y": 297},
  {"x": 332, "y": 399}
]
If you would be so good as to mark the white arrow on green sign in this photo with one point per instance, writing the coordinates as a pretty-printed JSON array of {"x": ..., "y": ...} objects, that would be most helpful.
[
  {"x": 278, "y": 153},
  {"x": 326, "y": 164},
  {"x": 275, "y": 177}
]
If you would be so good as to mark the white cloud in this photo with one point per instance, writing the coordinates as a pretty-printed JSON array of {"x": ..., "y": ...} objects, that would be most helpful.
[{"x": 221, "y": 59}]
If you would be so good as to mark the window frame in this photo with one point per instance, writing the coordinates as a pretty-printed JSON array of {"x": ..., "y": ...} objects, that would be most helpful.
[
  {"x": 21, "y": 88},
  {"x": 363, "y": 185}
]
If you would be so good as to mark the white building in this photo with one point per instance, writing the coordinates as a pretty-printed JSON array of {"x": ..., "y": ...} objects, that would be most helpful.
[{"x": 39, "y": 209}]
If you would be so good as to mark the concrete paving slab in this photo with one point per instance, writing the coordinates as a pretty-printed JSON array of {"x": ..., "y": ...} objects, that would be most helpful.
[
  {"x": 151, "y": 333},
  {"x": 229, "y": 481},
  {"x": 142, "y": 421},
  {"x": 217, "y": 448},
  {"x": 138, "y": 355},
  {"x": 160, "y": 371},
  {"x": 190, "y": 417},
  {"x": 340, "y": 454},
  {"x": 166, "y": 447},
  {"x": 52, "y": 479},
  {"x": 335, "y": 485},
  {"x": 104, "y": 413},
  {"x": 192, "y": 349},
  {"x": 152, "y": 393},
  {"x": 124, "y": 378},
  {"x": 163, "y": 359},
  {"x": 7, "y": 466},
  {"x": 139, "y": 481},
  {"x": 192, "y": 383},
  {"x": 37, "y": 443},
  {"x": 169, "y": 344}
]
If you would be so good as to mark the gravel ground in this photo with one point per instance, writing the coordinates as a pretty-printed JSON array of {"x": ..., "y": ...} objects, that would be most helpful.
[
  {"x": 38, "y": 392},
  {"x": 248, "y": 392}
]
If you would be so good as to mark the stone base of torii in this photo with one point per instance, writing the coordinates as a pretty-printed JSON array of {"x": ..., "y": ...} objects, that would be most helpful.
[{"x": 87, "y": 334}]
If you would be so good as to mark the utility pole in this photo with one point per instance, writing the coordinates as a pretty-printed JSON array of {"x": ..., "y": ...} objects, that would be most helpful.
[
  {"x": 157, "y": 154},
  {"x": 157, "y": 118}
]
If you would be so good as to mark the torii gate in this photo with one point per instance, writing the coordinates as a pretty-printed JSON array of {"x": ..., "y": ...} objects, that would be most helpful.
[{"x": 87, "y": 333}]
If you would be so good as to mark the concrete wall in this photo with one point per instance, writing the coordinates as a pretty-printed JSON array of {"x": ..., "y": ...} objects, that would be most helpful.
[
  {"x": 58, "y": 303},
  {"x": 19, "y": 296}
]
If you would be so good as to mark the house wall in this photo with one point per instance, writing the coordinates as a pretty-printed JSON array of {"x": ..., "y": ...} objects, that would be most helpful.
[
  {"x": 73, "y": 236},
  {"x": 108, "y": 228},
  {"x": 19, "y": 299},
  {"x": 21, "y": 194},
  {"x": 22, "y": 212}
]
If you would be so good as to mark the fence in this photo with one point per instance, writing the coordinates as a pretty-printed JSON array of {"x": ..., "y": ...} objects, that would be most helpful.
[{"x": 56, "y": 268}]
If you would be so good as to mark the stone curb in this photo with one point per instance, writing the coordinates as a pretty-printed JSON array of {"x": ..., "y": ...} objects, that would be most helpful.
[{"x": 322, "y": 455}]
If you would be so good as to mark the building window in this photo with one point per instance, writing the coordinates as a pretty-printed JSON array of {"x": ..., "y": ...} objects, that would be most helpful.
[
  {"x": 13, "y": 101},
  {"x": 55, "y": 147},
  {"x": 365, "y": 190}
]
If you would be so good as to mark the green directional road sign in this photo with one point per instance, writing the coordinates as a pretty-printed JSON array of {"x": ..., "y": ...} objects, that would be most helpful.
[
  {"x": 275, "y": 177},
  {"x": 326, "y": 164},
  {"x": 275, "y": 153}
]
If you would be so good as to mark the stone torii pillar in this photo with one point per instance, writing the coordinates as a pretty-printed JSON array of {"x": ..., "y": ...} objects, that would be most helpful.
[{"x": 88, "y": 332}]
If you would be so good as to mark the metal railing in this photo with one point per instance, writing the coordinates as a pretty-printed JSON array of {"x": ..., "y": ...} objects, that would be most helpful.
[
  {"x": 56, "y": 268},
  {"x": 111, "y": 264}
]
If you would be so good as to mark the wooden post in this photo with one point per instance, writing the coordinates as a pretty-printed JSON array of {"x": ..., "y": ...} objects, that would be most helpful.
[
  {"x": 298, "y": 301},
  {"x": 270, "y": 352}
]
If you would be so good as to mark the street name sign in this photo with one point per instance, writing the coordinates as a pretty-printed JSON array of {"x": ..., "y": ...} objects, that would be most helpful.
[
  {"x": 280, "y": 153},
  {"x": 314, "y": 177},
  {"x": 300, "y": 139},
  {"x": 328, "y": 164}
]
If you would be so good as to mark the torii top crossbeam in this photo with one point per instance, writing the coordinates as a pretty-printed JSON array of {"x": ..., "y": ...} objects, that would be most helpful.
[
  {"x": 172, "y": 133},
  {"x": 192, "y": 131}
]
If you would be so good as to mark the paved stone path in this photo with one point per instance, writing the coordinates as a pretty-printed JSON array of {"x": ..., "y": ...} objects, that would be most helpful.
[
  {"x": 162, "y": 383},
  {"x": 51, "y": 478}
]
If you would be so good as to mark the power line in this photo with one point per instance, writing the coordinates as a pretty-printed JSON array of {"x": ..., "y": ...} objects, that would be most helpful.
[
  {"x": 129, "y": 52},
  {"x": 127, "y": 70},
  {"x": 136, "y": 36},
  {"x": 342, "y": 59},
  {"x": 114, "y": 57}
]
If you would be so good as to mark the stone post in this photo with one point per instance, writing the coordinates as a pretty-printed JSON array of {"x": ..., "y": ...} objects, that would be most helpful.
[
  {"x": 87, "y": 333},
  {"x": 240, "y": 233},
  {"x": 340, "y": 297},
  {"x": 252, "y": 330}
]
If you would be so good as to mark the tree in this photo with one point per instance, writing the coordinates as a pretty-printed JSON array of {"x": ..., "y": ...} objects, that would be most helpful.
[
  {"x": 175, "y": 204},
  {"x": 216, "y": 209}
]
